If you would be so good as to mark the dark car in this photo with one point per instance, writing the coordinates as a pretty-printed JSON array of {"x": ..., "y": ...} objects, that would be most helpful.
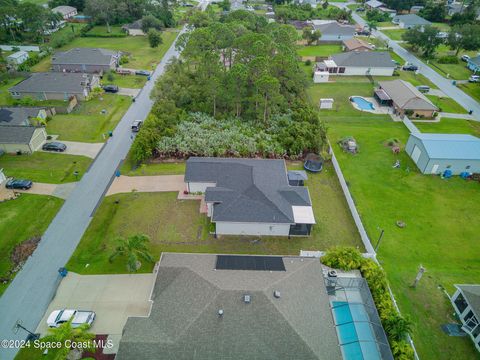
[
  {"x": 111, "y": 88},
  {"x": 142, "y": 72},
  {"x": 410, "y": 67},
  {"x": 360, "y": 9},
  {"x": 363, "y": 32},
  {"x": 54, "y": 146},
  {"x": 18, "y": 184}
]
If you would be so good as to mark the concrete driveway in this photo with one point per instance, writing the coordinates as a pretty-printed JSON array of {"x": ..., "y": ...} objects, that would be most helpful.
[
  {"x": 59, "y": 190},
  {"x": 128, "y": 91},
  {"x": 114, "y": 298},
  {"x": 125, "y": 184},
  {"x": 81, "y": 148}
]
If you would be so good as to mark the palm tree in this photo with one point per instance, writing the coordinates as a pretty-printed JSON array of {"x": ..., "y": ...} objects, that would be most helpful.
[
  {"x": 66, "y": 333},
  {"x": 133, "y": 248},
  {"x": 372, "y": 25}
]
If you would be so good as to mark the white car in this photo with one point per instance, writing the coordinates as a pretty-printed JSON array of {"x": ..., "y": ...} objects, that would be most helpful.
[
  {"x": 474, "y": 78},
  {"x": 58, "y": 317}
]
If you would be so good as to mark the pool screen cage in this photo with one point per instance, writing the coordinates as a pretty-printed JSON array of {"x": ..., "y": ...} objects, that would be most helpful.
[{"x": 356, "y": 319}]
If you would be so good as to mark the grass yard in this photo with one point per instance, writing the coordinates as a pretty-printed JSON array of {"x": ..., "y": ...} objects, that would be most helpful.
[
  {"x": 23, "y": 218},
  {"x": 152, "y": 168},
  {"x": 86, "y": 123},
  {"x": 142, "y": 56},
  {"x": 472, "y": 89},
  {"x": 319, "y": 50},
  {"x": 446, "y": 104},
  {"x": 394, "y": 34},
  {"x": 455, "y": 71},
  {"x": 177, "y": 225},
  {"x": 45, "y": 167},
  {"x": 451, "y": 126},
  {"x": 125, "y": 81},
  {"x": 5, "y": 98}
]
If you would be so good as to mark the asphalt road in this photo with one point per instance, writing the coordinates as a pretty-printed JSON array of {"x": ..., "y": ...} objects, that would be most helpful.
[
  {"x": 442, "y": 83},
  {"x": 28, "y": 296}
]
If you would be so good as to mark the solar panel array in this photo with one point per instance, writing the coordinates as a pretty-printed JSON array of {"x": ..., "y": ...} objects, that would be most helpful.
[{"x": 259, "y": 263}]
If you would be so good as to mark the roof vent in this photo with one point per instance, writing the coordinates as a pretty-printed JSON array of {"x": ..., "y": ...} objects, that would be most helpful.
[
  {"x": 277, "y": 294},
  {"x": 332, "y": 273},
  {"x": 247, "y": 299},
  {"x": 220, "y": 313}
]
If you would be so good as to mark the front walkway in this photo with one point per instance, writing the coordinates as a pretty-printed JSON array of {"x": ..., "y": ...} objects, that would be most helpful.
[{"x": 125, "y": 184}]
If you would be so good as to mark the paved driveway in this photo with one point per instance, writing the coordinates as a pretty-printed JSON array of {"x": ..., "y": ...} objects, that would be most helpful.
[
  {"x": 125, "y": 184},
  {"x": 128, "y": 91},
  {"x": 81, "y": 148},
  {"x": 114, "y": 298},
  {"x": 59, "y": 190}
]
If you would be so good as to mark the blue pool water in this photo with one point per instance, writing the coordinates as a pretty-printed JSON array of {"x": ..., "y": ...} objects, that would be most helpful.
[
  {"x": 362, "y": 103},
  {"x": 354, "y": 331}
]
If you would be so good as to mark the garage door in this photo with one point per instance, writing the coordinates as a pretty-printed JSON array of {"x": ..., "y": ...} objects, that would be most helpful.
[{"x": 416, "y": 154}]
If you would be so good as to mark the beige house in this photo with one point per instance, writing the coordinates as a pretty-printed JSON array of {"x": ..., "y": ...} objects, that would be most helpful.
[
  {"x": 21, "y": 139},
  {"x": 404, "y": 98},
  {"x": 355, "y": 44}
]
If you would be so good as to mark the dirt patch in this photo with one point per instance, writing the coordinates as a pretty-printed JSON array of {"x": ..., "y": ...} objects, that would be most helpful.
[{"x": 22, "y": 251}]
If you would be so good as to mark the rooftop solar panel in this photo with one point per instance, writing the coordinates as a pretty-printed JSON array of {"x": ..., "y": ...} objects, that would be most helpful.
[{"x": 259, "y": 263}]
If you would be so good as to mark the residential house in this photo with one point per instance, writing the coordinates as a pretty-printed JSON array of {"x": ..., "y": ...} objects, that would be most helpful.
[
  {"x": 466, "y": 302},
  {"x": 134, "y": 29},
  {"x": 17, "y": 58},
  {"x": 55, "y": 86},
  {"x": 404, "y": 98},
  {"x": 67, "y": 12},
  {"x": 333, "y": 31},
  {"x": 19, "y": 131},
  {"x": 355, "y": 44},
  {"x": 88, "y": 60},
  {"x": 207, "y": 306},
  {"x": 370, "y": 63},
  {"x": 250, "y": 196},
  {"x": 416, "y": 9},
  {"x": 435, "y": 153},
  {"x": 455, "y": 8},
  {"x": 410, "y": 21},
  {"x": 474, "y": 64},
  {"x": 374, "y": 4}
]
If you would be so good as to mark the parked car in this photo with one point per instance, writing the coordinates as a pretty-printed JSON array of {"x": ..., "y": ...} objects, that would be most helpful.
[
  {"x": 18, "y": 184},
  {"x": 111, "y": 88},
  {"x": 423, "y": 88},
  {"x": 474, "y": 78},
  {"x": 363, "y": 32},
  {"x": 359, "y": 9},
  {"x": 465, "y": 58},
  {"x": 142, "y": 72},
  {"x": 79, "y": 317},
  {"x": 410, "y": 67},
  {"x": 136, "y": 125},
  {"x": 54, "y": 146}
]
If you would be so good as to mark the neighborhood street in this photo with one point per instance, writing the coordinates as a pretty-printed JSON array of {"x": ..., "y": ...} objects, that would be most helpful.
[
  {"x": 443, "y": 84},
  {"x": 29, "y": 295}
]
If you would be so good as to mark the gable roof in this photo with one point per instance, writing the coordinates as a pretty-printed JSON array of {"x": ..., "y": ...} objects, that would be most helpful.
[
  {"x": 364, "y": 59},
  {"x": 374, "y": 3},
  {"x": 64, "y": 9},
  {"x": 450, "y": 146},
  {"x": 137, "y": 25},
  {"x": 87, "y": 56},
  {"x": 411, "y": 20},
  {"x": 17, "y": 115},
  {"x": 53, "y": 82},
  {"x": 335, "y": 28},
  {"x": 11, "y": 134},
  {"x": 471, "y": 293},
  {"x": 354, "y": 44},
  {"x": 184, "y": 322},
  {"x": 406, "y": 96},
  {"x": 248, "y": 190},
  {"x": 17, "y": 55}
]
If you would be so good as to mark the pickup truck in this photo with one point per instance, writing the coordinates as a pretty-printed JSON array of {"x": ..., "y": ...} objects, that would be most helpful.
[{"x": 79, "y": 317}]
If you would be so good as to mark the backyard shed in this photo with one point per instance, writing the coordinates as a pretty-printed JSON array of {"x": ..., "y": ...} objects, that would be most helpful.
[
  {"x": 17, "y": 58},
  {"x": 320, "y": 76},
  {"x": 435, "y": 153},
  {"x": 326, "y": 103}
]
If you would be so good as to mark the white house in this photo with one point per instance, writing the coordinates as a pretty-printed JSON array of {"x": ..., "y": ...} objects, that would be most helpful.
[
  {"x": 67, "y": 12},
  {"x": 250, "y": 196},
  {"x": 466, "y": 302},
  {"x": 373, "y": 63},
  {"x": 17, "y": 58},
  {"x": 410, "y": 21},
  {"x": 320, "y": 76}
]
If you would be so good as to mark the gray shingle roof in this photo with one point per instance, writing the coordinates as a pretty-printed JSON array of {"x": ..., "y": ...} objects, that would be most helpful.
[
  {"x": 247, "y": 190},
  {"x": 334, "y": 28},
  {"x": 364, "y": 59},
  {"x": 184, "y": 322},
  {"x": 53, "y": 82},
  {"x": 472, "y": 295},
  {"x": 374, "y": 3},
  {"x": 17, "y": 115},
  {"x": 87, "y": 56},
  {"x": 16, "y": 134},
  {"x": 411, "y": 20},
  {"x": 406, "y": 96},
  {"x": 64, "y": 9}
]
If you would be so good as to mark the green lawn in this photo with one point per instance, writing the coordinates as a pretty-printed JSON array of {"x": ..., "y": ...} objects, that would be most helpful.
[
  {"x": 455, "y": 71},
  {"x": 177, "y": 225},
  {"x": 394, "y": 34},
  {"x": 45, "y": 167},
  {"x": 87, "y": 123},
  {"x": 472, "y": 89},
  {"x": 126, "y": 81},
  {"x": 142, "y": 56},
  {"x": 23, "y": 218},
  {"x": 152, "y": 168},
  {"x": 451, "y": 126},
  {"x": 5, "y": 98},
  {"x": 446, "y": 104},
  {"x": 319, "y": 50}
]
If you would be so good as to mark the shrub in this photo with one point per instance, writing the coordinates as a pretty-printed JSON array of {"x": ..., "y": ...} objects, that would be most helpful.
[
  {"x": 123, "y": 60},
  {"x": 344, "y": 258},
  {"x": 448, "y": 59},
  {"x": 110, "y": 76},
  {"x": 308, "y": 62},
  {"x": 154, "y": 38}
]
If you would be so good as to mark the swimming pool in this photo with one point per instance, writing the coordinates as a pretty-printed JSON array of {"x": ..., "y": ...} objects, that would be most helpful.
[
  {"x": 362, "y": 103},
  {"x": 354, "y": 330}
]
